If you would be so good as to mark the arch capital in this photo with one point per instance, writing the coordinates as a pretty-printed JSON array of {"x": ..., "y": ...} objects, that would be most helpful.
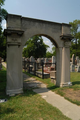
[{"x": 13, "y": 37}]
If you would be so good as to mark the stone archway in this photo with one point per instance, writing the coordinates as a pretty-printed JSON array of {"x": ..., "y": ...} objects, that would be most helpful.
[{"x": 19, "y": 29}]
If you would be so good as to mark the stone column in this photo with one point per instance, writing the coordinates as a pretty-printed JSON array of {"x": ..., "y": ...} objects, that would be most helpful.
[
  {"x": 65, "y": 77},
  {"x": 14, "y": 62},
  {"x": 58, "y": 65}
]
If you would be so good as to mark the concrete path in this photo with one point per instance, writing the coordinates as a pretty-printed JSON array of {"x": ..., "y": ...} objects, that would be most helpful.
[{"x": 67, "y": 108}]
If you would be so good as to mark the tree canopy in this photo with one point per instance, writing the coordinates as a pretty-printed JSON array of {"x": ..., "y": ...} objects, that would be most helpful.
[
  {"x": 75, "y": 31},
  {"x": 3, "y": 14},
  {"x": 2, "y": 2},
  {"x": 52, "y": 53},
  {"x": 35, "y": 47}
]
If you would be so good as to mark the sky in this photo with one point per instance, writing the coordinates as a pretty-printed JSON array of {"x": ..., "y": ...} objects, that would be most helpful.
[{"x": 62, "y": 11}]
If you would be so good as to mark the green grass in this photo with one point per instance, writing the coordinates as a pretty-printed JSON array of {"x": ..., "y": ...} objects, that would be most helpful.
[
  {"x": 26, "y": 106},
  {"x": 75, "y": 79}
]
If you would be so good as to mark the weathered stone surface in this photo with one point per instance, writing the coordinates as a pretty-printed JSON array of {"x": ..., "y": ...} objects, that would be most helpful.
[{"x": 19, "y": 30}]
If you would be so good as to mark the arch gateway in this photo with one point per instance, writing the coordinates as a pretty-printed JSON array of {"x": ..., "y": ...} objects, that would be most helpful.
[{"x": 19, "y": 30}]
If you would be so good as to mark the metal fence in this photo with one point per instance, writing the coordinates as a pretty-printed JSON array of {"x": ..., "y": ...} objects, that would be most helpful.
[{"x": 39, "y": 69}]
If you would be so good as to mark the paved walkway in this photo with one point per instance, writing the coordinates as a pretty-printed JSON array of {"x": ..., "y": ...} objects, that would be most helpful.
[{"x": 67, "y": 108}]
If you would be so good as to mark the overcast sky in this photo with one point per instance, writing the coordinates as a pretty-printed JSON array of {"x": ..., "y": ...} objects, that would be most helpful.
[{"x": 62, "y": 11}]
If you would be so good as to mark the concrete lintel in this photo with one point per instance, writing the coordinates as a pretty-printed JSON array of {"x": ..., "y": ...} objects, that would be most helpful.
[{"x": 39, "y": 20}]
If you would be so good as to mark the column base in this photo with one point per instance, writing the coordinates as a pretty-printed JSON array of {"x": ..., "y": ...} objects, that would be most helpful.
[
  {"x": 14, "y": 92},
  {"x": 66, "y": 84}
]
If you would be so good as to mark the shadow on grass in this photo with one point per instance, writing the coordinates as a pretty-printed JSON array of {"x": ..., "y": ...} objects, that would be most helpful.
[
  {"x": 76, "y": 82},
  {"x": 7, "y": 110},
  {"x": 53, "y": 87}
]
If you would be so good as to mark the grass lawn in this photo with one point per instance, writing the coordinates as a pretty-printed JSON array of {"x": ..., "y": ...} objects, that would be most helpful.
[
  {"x": 71, "y": 93},
  {"x": 26, "y": 106}
]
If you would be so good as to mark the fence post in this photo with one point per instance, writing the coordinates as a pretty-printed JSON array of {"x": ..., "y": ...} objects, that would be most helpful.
[
  {"x": 34, "y": 68},
  {"x": 42, "y": 70},
  {"x": 29, "y": 66}
]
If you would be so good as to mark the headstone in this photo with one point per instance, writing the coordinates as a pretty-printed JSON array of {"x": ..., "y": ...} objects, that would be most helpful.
[
  {"x": 32, "y": 62},
  {"x": 32, "y": 59},
  {"x": 0, "y": 63},
  {"x": 77, "y": 58},
  {"x": 75, "y": 62},
  {"x": 38, "y": 63},
  {"x": 78, "y": 69},
  {"x": 46, "y": 60},
  {"x": 73, "y": 59},
  {"x": 72, "y": 68},
  {"x": 39, "y": 60},
  {"x": 42, "y": 59},
  {"x": 53, "y": 61}
]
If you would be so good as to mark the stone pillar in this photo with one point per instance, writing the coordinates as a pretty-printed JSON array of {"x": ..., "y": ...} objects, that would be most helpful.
[
  {"x": 14, "y": 62},
  {"x": 58, "y": 65},
  {"x": 65, "y": 77}
]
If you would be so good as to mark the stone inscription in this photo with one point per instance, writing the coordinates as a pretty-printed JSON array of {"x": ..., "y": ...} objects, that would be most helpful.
[{"x": 14, "y": 39}]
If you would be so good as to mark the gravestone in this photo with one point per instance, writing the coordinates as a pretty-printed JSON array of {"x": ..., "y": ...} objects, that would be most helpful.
[
  {"x": 77, "y": 58},
  {"x": 32, "y": 59},
  {"x": 73, "y": 59},
  {"x": 72, "y": 68},
  {"x": 46, "y": 60},
  {"x": 53, "y": 61},
  {"x": 78, "y": 69},
  {"x": 42, "y": 60},
  {"x": 38, "y": 63},
  {"x": 32, "y": 62},
  {"x": 39, "y": 60}
]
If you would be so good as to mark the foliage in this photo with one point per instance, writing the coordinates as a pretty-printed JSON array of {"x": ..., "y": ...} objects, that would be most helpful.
[
  {"x": 3, "y": 14},
  {"x": 2, "y": 2},
  {"x": 74, "y": 50},
  {"x": 2, "y": 45},
  {"x": 52, "y": 53},
  {"x": 75, "y": 31},
  {"x": 54, "y": 50},
  {"x": 35, "y": 47},
  {"x": 49, "y": 54}
]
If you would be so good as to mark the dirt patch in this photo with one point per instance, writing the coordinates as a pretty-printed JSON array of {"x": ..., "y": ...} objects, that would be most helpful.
[{"x": 72, "y": 94}]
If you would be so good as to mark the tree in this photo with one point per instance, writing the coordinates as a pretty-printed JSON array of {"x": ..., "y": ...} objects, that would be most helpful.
[
  {"x": 52, "y": 53},
  {"x": 3, "y": 14},
  {"x": 54, "y": 50},
  {"x": 49, "y": 54},
  {"x": 35, "y": 47},
  {"x": 2, "y": 2},
  {"x": 2, "y": 45},
  {"x": 75, "y": 31}
]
